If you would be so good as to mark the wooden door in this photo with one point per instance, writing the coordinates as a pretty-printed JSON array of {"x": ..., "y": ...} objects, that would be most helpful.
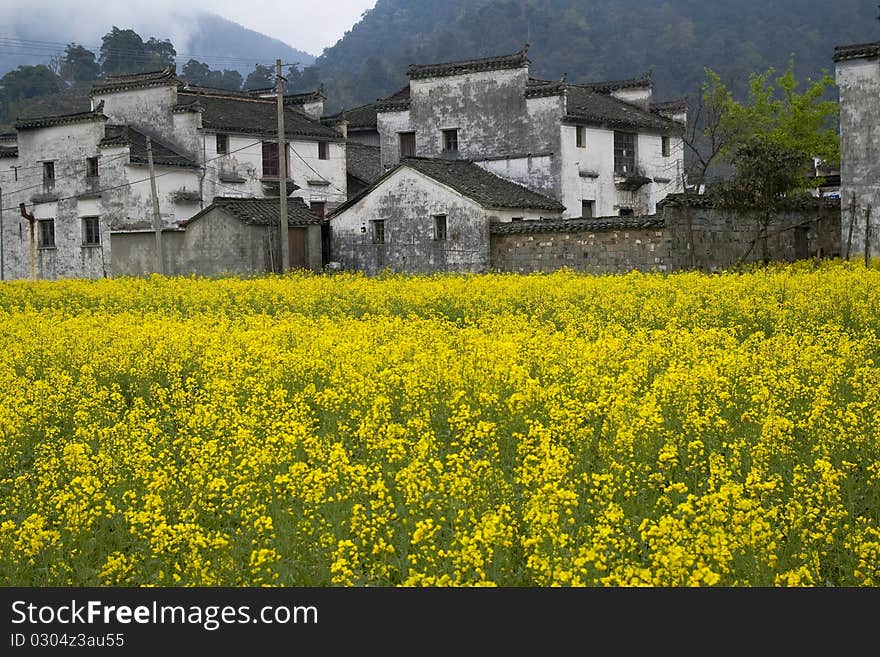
[{"x": 296, "y": 241}]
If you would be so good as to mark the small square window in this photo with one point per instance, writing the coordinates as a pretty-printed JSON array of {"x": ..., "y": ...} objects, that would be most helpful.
[
  {"x": 319, "y": 208},
  {"x": 664, "y": 146},
  {"x": 49, "y": 175},
  {"x": 91, "y": 167},
  {"x": 46, "y": 233},
  {"x": 91, "y": 231},
  {"x": 581, "y": 136},
  {"x": 588, "y": 209},
  {"x": 627, "y": 212},
  {"x": 222, "y": 144},
  {"x": 407, "y": 144},
  {"x": 440, "y": 228},
  {"x": 450, "y": 140},
  {"x": 323, "y": 151},
  {"x": 378, "y": 231}
]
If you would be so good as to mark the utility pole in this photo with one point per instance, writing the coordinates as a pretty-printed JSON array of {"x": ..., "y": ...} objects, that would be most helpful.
[
  {"x": 31, "y": 220},
  {"x": 282, "y": 169},
  {"x": 157, "y": 218}
]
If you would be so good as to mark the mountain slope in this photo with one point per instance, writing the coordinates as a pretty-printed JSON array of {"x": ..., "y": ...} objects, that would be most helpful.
[
  {"x": 596, "y": 40},
  {"x": 210, "y": 38}
]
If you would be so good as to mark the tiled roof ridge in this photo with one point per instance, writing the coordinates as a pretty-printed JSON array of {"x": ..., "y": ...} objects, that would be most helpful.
[
  {"x": 499, "y": 62},
  {"x": 857, "y": 51},
  {"x": 167, "y": 75},
  {"x": 61, "y": 119},
  {"x": 305, "y": 97},
  {"x": 298, "y": 212},
  {"x": 578, "y": 225},
  {"x": 607, "y": 86}
]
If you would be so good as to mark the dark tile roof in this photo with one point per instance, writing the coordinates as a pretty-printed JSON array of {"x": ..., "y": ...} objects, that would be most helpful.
[
  {"x": 235, "y": 113},
  {"x": 589, "y": 106},
  {"x": 516, "y": 60},
  {"x": 577, "y": 225},
  {"x": 8, "y": 151},
  {"x": 261, "y": 211},
  {"x": 60, "y": 119},
  {"x": 164, "y": 155},
  {"x": 472, "y": 181},
  {"x": 307, "y": 97},
  {"x": 358, "y": 118},
  {"x": 670, "y": 106},
  {"x": 166, "y": 76},
  {"x": 363, "y": 162},
  {"x": 606, "y": 87},
  {"x": 856, "y": 51}
]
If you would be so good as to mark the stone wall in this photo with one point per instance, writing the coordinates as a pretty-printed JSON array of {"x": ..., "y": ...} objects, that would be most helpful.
[
  {"x": 610, "y": 244},
  {"x": 807, "y": 228},
  {"x": 722, "y": 239}
]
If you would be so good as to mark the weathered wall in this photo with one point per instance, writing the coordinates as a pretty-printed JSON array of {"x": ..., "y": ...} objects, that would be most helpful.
[
  {"x": 724, "y": 238},
  {"x": 67, "y": 146},
  {"x": 858, "y": 81},
  {"x": 598, "y": 246},
  {"x": 213, "y": 245},
  {"x": 537, "y": 173},
  {"x": 149, "y": 110},
  {"x": 489, "y": 110},
  {"x": 407, "y": 202},
  {"x": 239, "y": 172},
  {"x": 588, "y": 172},
  {"x": 660, "y": 242}
]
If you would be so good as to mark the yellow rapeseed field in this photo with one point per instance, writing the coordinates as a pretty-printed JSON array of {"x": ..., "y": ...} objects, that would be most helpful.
[{"x": 542, "y": 430}]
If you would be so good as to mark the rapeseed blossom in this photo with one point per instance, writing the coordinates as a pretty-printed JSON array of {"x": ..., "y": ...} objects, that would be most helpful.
[{"x": 495, "y": 430}]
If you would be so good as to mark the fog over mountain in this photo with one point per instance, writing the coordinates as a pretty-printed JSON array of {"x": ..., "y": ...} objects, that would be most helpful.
[{"x": 34, "y": 36}]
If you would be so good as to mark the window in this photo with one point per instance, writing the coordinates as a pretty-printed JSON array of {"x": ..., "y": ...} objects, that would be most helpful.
[
  {"x": 49, "y": 175},
  {"x": 627, "y": 212},
  {"x": 323, "y": 150},
  {"x": 46, "y": 233},
  {"x": 440, "y": 228},
  {"x": 518, "y": 218},
  {"x": 450, "y": 140},
  {"x": 378, "y": 231},
  {"x": 407, "y": 144},
  {"x": 588, "y": 209},
  {"x": 222, "y": 144},
  {"x": 581, "y": 136},
  {"x": 624, "y": 153},
  {"x": 664, "y": 146},
  {"x": 91, "y": 231},
  {"x": 319, "y": 208},
  {"x": 270, "y": 160},
  {"x": 91, "y": 167}
]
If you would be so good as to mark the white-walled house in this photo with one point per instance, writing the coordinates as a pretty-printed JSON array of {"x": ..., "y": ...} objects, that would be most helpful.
[
  {"x": 601, "y": 148},
  {"x": 76, "y": 177},
  {"x": 83, "y": 178},
  {"x": 430, "y": 215},
  {"x": 857, "y": 74}
]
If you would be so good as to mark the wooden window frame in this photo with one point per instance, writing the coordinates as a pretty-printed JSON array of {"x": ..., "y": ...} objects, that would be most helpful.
[
  {"x": 45, "y": 233},
  {"x": 441, "y": 228},
  {"x": 96, "y": 223}
]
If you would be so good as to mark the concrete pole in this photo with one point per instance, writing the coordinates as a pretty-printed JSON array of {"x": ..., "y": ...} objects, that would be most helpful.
[
  {"x": 282, "y": 169},
  {"x": 157, "y": 218}
]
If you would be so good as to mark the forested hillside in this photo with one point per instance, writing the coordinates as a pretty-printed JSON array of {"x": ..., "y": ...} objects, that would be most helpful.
[{"x": 596, "y": 39}]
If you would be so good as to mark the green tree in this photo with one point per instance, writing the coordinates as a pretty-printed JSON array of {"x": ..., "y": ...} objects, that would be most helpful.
[
  {"x": 24, "y": 84},
  {"x": 122, "y": 51},
  {"x": 79, "y": 65},
  {"x": 195, "y": 72},
  {"x": 159, "y": 54},
  {"x": 262, "y": 77},
  {"x": 769, "y": 141}
]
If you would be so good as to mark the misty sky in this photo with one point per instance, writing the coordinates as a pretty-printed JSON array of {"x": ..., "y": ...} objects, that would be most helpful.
[{"x": 309, "y": 25}]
